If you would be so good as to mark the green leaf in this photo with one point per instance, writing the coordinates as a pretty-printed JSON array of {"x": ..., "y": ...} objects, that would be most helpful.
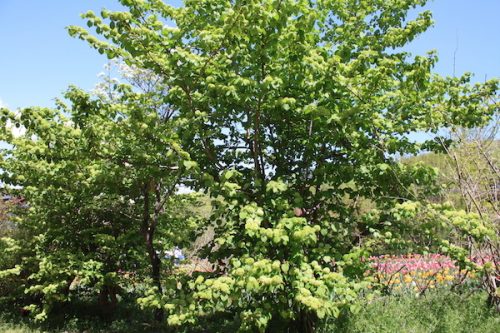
[{"x": 190, "y": 164}]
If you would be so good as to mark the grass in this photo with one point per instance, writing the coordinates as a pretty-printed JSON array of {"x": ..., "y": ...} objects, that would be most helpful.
[
  {"x": 12, "y": 328},
  {"x": 438, "y": 311}
]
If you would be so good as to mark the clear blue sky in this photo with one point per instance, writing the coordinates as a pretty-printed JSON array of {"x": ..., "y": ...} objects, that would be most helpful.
[{"x": 38, "y": 60}]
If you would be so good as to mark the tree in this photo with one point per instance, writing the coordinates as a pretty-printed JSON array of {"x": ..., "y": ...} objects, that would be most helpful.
[
  {"x": 99, "y": 176},
  {"x": 475, "y": 175},
  {"x": 297, "y": 109},
  {"x": 468, "y": 173}
]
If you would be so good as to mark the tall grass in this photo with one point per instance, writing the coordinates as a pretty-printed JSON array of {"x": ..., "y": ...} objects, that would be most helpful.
[
  {"x": 437, "y": 312},
  {"x": 13, "y": 328}
]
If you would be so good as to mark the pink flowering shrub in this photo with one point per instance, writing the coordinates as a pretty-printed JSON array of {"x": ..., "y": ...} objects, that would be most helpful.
[{"x": 418, "y": 273}]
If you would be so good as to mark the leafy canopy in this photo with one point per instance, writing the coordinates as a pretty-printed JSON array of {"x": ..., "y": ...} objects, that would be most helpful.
[{"x": 297, "y": 110}]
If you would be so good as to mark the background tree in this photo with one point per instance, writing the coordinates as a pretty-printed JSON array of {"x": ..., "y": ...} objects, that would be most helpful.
[
  {"x": 98, "y": 175},
  {"x": 468, "y": 175},
  {"x": 475, "y": 175}
]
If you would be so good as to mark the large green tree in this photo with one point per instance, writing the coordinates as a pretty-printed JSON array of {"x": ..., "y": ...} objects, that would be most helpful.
[
  {"x": 294, "y": 111},
  {"x": 297, "y": 111}
]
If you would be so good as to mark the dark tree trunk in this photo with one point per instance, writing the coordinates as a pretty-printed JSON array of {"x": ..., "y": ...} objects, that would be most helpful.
[
  {"x": 107, "y": 301},
  {"x": 305, "y": 323},
  {"x": 148, "y": 229},
  {"x": 156, "y": 276}
]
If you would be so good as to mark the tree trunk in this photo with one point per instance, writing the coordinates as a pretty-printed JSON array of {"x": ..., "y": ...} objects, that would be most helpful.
[
  {"x": 304, "y": 323},
  {"x": 107, "y": 301},
  {"x": 156, "y": 276},
  {"x": 148, "y": 230}
]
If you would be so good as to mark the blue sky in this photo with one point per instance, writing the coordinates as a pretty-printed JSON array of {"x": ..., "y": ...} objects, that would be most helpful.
[{"x": 38, "y": 60}]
